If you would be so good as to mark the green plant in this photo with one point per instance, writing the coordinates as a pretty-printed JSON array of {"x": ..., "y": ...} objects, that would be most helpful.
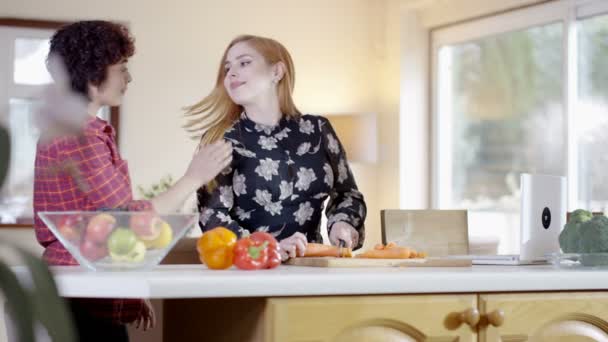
[
  {"x": 39, "y": 302},
  {"x": 156, "y": 189},
  {"x": 5, "y": 153}
]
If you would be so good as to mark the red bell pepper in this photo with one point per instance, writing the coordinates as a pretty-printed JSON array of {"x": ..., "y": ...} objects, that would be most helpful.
[{"x": 259, "y": 250}]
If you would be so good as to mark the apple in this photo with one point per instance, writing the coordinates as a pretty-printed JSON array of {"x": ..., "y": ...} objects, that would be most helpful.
[
  {"x": 71, "y": 226},
  {"x": 163, "y": 239},
  {"x": 122, "y": 241},
  {"x": 70, "y": 233},
  {"x": 99, "y": 227},
  {"x": 93, "y": 251},
  {"x": 147, "y": 225},
  {"x": 136, "y": 254}
]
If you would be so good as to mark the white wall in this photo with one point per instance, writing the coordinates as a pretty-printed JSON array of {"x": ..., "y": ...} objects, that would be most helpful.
[{"x": 414, "y": 112}]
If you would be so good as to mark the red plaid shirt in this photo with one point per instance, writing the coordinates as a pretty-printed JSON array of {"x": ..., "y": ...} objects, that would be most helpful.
[{"x": 84, "y": 173}]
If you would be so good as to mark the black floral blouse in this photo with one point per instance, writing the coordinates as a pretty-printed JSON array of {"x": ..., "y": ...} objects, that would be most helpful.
[{"x": 279, "y": 178}]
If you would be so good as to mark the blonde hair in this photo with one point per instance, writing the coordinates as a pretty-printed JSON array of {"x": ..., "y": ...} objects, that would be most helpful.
[{"x": 216, "y": 112}]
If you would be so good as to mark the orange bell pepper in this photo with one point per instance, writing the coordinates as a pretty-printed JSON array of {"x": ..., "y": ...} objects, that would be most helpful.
[{"x": 215, "y": 248}]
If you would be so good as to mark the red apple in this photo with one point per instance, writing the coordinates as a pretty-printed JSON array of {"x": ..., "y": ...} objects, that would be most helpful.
[
  {"x": 71, "y": 226},
  {"x": 147, "y": 225},
  {"x": 99, "y": 227},
  {"x": 93, "y": 251},
  {"x": 70, "y": 233}
]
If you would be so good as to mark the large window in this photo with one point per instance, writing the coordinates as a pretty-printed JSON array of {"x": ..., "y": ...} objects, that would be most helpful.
[
  {"x": 525, "y": 91},
  {"x": 590, "y": 117}
]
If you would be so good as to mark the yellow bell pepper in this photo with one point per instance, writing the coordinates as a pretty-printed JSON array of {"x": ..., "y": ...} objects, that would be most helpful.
[{"x": 215, "y": 248}]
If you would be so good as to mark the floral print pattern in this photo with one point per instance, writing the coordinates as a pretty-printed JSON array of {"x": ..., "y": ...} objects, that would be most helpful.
[{"x": 280, "y": 178}]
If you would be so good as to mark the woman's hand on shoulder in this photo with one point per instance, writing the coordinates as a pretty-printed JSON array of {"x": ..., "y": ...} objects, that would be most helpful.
[{"x": 209, "y": 161}]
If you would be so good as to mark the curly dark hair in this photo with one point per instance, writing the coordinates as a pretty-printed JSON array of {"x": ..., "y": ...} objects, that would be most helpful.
[{"x": 88, "y": 48}]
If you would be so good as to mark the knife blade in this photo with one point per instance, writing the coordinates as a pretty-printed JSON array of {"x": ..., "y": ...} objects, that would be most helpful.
[{"x": 341, "y": 248}]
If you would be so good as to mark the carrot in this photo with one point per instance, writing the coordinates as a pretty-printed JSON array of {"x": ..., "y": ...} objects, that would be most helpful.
[
  {"x": 321, "y": 250},
  {"x": 421, "y": 255},
  {"x": 391, "y": 251},
  {"x": 387, "y": 253}
]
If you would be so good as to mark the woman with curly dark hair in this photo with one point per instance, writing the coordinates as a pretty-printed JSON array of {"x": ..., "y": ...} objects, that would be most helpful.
[{"x": 85, "y": 171}]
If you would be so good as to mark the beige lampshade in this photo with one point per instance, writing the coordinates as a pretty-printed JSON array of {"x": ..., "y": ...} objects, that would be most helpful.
[{"x": 358, "y": 133}]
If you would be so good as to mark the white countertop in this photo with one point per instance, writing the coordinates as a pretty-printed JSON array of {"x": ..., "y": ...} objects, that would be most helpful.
[{"x": 195, "y": 281}]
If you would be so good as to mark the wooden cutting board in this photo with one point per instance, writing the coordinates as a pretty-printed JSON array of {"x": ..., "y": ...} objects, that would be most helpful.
[{"x": 361, "y": 262}]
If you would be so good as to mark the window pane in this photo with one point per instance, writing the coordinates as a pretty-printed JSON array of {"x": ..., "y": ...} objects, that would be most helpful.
[
  {"x": 30, "y": 61},
  {"x": 506, "y": 109},
  {"x": 591, "y": 116},
  {"x": 500, "y": 113},
  {"x": 16, "y": 199}
]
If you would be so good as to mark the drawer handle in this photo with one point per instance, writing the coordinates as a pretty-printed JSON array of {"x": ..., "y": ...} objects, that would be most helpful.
[
  {"x": 496, "y": 318},
  {"x": 469, "y": 316}
]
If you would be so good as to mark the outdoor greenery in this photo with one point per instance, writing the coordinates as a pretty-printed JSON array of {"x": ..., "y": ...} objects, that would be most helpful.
[{"x": 509, "y": 111}]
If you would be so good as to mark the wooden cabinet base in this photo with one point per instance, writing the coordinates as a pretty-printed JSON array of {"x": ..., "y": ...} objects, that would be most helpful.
[
  {"x": 545, "y": 317},
  {"x": 214, "y": 319},
  {"x": 537, "y": 317},
  {"x": 323, "y": 319}
]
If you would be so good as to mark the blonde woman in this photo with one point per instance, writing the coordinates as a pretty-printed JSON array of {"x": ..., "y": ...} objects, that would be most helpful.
[{"x": 285, "y": 164}]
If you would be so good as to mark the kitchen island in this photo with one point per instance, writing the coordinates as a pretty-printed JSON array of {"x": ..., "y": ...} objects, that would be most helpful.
[
  {"x": 290, "y": 303},
  {"x": 196, "y": 281}
]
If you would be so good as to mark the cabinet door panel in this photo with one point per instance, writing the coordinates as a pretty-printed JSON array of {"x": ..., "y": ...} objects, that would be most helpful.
[
  {"x": 371, "y": 318},
  {"x": 545, "y": 317}
]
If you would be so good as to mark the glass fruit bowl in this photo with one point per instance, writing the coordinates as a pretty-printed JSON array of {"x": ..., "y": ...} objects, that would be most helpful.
[
  {"x": 579, "y": 260},
  {"x": 121, "y": 240}
]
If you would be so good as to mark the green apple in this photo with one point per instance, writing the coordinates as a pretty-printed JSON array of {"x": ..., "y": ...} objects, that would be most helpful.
[
  {"x": 137, "y": 254},
  {"x": 122, "y": 241}
]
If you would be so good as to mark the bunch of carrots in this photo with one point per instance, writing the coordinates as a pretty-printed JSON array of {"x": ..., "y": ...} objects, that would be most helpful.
[{"x": 389, "y": 251}]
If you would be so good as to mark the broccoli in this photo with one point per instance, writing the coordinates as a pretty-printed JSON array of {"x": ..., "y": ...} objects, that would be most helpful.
[
  {"x": 580, "y": 216},
  {"x": 569, "y": 238},
  {"x": 594, "y": 235}
]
